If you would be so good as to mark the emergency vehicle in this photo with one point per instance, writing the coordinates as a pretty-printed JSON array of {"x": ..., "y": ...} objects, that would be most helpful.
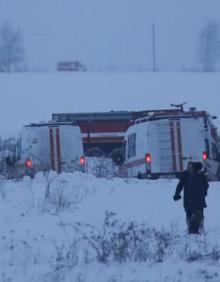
[
  {"x": 103, "y": 132},
  {"x": 162, "y": 145},
  {"x": 48, "y": 146}
]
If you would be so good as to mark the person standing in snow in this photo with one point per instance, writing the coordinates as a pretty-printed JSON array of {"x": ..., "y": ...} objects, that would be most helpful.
[{"x": 194, "y": 185}]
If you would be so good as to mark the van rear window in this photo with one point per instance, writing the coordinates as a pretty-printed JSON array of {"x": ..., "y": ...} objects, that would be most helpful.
[{"x": 131, "y": 145}]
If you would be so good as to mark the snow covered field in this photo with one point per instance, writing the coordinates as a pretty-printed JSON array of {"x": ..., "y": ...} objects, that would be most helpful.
[
  {"x": 75, "y": 227},
  {"x": 33, "y": 97}
]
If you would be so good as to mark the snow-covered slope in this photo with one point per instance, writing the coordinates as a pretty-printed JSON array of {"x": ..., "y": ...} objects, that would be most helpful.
[
  {"x": 75, "y": 227},
  {"x": 33, "y": 97}
]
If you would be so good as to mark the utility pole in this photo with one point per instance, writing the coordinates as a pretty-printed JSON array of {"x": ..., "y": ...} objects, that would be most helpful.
[{"x": 153, "y": 48}]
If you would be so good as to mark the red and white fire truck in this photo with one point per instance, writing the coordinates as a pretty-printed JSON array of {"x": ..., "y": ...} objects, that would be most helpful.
[{"x": 103, "y": 132}]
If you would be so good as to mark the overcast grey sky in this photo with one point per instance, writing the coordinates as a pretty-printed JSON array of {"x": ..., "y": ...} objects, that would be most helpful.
[{"x": 110, "y": 33}]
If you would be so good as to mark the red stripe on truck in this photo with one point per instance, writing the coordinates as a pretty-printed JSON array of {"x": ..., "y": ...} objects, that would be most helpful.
[
  {"x": 180, "y": 145},
  {"x": 173, "y": 149},
  {"x": 52, "y": 161},
  {"x": 58, "y": 150}
]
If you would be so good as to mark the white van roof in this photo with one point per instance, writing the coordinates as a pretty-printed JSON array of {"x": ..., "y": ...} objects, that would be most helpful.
[{"x": 52, "y": 123}]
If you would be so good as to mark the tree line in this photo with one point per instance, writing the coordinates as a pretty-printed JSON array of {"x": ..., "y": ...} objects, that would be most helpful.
[{"x": 12, "y": 54}]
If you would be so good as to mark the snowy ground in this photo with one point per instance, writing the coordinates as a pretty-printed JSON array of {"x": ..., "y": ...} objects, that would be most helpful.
[{"x": 75, "y": 227}]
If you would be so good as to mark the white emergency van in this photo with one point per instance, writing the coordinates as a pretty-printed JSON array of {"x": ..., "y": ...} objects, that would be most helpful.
[
  {"x": 163, "y": 145},
  {"x": 41, "y": 147}
]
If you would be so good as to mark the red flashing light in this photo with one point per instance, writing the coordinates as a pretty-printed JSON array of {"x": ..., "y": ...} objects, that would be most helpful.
[
  {"x": 148, "y": 158},
  {"x": 28, "y": 163},
  {"x": 82, "y": 161},
  {"x": 205, "y": 156}
]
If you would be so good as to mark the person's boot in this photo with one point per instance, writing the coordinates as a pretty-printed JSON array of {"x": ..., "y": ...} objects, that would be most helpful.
[
  {"x": 201, "y": 226},
  {"x": 196, "y": 221},
  {"x": 193, "y": 226},
  {"x": 188, "y": 223}
]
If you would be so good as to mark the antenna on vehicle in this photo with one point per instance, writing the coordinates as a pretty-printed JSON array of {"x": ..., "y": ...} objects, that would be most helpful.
[{"x": 180, "y": 106}]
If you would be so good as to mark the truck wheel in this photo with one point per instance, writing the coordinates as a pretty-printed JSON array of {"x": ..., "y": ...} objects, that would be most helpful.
[
  {"x": 95, "y": 152},
  {"x": 116, "y": 156},
  {"x": 155, "y": 176}
]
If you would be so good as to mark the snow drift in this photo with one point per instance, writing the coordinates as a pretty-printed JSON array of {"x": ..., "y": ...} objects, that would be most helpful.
[{"x": 76, "y": 227}]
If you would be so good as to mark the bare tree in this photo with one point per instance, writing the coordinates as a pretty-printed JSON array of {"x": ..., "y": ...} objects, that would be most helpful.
[
  {"x": 11, "y": 48},
  {"x": 209, "y": 46}
]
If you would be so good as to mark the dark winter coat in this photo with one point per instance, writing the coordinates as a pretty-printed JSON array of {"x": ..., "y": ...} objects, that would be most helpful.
[{"x": 194, "y": 186}]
